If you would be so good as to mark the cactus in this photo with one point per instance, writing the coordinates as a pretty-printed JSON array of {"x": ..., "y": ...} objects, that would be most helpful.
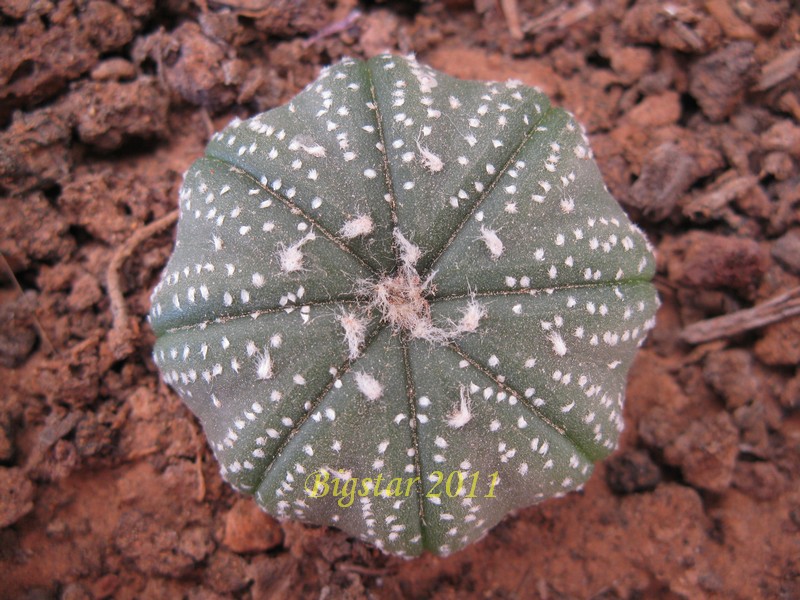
[{"x": 403, "y": 304}]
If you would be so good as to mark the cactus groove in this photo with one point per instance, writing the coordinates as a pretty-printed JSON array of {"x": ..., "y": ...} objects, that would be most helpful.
[{"x": 397, "y": 274}]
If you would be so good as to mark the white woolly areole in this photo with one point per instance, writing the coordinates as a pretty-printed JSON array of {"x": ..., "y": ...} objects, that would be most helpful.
[
  {"x": 291, "y": 258},
  {"x": 368, "y": 385},
  {"x": 402, "y": 299},
  {"x": 429, "y": 160},
  {"x": 263, "y": 365},
  {"x": 462, "y": 411},
  {"x": 355, "y": 329},
  {"x": 472, "y": 314},
  {"x": 307, "y": 145},
  {"x": 409, "y": 253},
  {"x": 493, "y": 243},
  {"x": 559, "y": 347},
  {"x": 356, "y": 227}
]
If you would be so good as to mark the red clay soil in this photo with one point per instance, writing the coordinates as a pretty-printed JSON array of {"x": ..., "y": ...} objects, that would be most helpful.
[{"x": 107, "y": 487}]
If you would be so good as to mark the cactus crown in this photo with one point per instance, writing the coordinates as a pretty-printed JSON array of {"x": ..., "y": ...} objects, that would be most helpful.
[{"x": 398, "y": 282}]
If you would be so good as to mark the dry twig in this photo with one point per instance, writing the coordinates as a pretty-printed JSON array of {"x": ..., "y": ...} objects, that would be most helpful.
[
  {"x": 48, "y": 345},
  {"x": 119, "y": 334},
  {"x": 778, "y": 69},
  {"x": 511, "y": 13},
  {"x": 560, "y": 17},
  {"x": 712, "y": 204},
  {"x": 334, "y": 28},
  {"x": 778, "y": 308},
  {"x": 368, "y": 571},
  {"x": 198, "y": 463}
]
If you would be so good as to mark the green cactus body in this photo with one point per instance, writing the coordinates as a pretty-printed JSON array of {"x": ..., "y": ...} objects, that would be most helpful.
[{"x": 405, "y": 276}]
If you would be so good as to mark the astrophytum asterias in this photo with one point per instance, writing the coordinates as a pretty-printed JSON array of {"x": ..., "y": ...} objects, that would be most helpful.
[{"x": 403, "y": 304}]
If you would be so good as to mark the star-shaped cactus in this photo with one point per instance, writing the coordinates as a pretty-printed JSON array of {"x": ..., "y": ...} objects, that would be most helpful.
[{"x": 411, "y": 289}]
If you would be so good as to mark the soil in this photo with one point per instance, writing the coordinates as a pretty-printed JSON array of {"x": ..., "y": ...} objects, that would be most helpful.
[{"x": 107, "y": 487}]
